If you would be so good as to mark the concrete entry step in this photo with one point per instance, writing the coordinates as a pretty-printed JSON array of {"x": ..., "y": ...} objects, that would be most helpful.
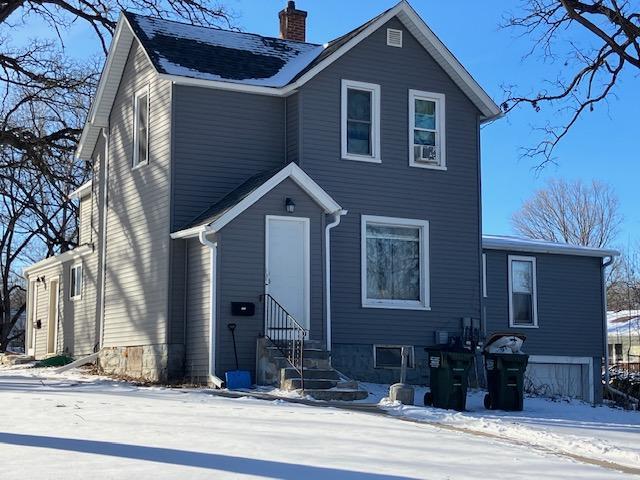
[
  {"x": 310, "y": 373},
  {"x": 314, "y": 384},
  {"x": 348, "y": 395}
]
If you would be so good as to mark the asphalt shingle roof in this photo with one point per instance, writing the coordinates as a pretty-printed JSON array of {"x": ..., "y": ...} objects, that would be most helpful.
[
  {"x": 207, "y": 53},
  {"x": 215, "y": 211}
]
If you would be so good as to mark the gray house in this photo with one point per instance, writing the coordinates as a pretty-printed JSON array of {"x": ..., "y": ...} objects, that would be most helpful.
[{"x": 329, "y": 193}]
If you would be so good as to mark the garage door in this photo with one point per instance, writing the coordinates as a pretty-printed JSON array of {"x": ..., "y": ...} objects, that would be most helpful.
[{"x": 569, "y": 378}]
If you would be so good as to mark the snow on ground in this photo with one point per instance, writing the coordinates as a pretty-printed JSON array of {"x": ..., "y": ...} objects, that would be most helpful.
[
  {"x": 75, "y": 426},
  {"x": 571, "y": 426}
]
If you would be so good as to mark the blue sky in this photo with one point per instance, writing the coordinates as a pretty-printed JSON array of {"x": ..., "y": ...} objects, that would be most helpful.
[{"x": 602, "y": 146}]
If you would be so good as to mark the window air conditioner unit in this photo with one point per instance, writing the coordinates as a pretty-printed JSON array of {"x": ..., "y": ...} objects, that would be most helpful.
[{"x": 428, "y": 154}]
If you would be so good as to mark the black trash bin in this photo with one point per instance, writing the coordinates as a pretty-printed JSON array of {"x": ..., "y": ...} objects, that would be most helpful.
[
  {"x": 505, "y": 373},
  {"x": 449, "y": 373}
]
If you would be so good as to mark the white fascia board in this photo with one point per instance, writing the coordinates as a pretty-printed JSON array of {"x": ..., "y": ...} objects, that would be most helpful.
[
  {"x": 223, "y": 85},
  {"x": 107, "y": 88},
  {"x": 296, "y": 174},
  {"x": 189, "y": 232},
  {"x": 412, "y": 21},
  {"x": 58, "y": 259},
  {"x": 82, "y": 190},
  {"x": 535, "y": 246},
  {"x": 292, "y": 171},
  {"x": 465, "y": 81}
]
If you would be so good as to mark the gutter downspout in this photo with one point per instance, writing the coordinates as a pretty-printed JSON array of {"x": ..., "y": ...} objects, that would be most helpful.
[
  {"x": 213, "y": 246},
  {"x": 605, "y": 323},
  {"x": 327, "y": 268},
  {"x": 103, "y": 246}
]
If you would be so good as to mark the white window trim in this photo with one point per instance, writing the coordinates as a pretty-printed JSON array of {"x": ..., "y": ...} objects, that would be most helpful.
[
  {"x": 484, "y": 275},
  {"x": 375, "y": 118},
  {"x": 425, "y": 300},
  {"x": 71, "y": 270},
  {"x": 411, "y": 361},
  {"x": 136, "y": 163},
  {"x": 535, "y": 291},
  {"x": 441, "y": 142}
]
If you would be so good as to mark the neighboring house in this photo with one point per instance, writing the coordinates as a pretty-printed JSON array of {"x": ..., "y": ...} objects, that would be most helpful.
[
  {"x": 341, "y": 180},
  {"x": 624, "y": 338}
]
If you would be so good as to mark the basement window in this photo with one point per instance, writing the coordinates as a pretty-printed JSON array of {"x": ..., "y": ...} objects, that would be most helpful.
[{"x": 390, "y": 356}]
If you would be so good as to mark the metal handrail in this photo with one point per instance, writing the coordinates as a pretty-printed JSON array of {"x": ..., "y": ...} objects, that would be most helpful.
[{"x": 285, "y": 333}]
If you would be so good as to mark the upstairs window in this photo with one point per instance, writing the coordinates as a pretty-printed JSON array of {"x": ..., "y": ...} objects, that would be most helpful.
[
  {"x": 395, "y": 266},
  {"x": 360, "y": 121},
  {"x": 141, "y": 128},
  {"x": 426, "y": 130},
  {"x": 523, "y": 305},
  {"x": 75, "y": 282}
]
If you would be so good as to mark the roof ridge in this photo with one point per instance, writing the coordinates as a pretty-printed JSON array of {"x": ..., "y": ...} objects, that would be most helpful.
[{"x": 128, "y": 14}]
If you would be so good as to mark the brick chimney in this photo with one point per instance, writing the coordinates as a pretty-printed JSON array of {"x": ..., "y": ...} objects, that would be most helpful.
[{"x": 293, "y": 23}]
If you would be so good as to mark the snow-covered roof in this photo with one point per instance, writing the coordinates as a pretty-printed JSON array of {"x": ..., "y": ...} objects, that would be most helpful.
[
  {"x": 620, "y": 323},
  {"x": 245, "y": 62},
  {"x": 214, "y": 54},
  {"x": 501, "y": 242}
]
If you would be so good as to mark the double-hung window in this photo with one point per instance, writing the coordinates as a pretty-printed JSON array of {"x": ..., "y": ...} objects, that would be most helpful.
[
  {"x": 75, "y": 282},
  {"x": 360, "y": 121},
  {"x": 395, "y": 263},
  {"x": 523, "y": 305},
  {"x": 427, "y": 146},
  {"x": 141, "y": 128}
]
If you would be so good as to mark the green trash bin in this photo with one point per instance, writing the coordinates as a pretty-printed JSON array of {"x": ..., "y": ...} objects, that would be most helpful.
[
  {"x": 449, "y": 375},
  {"x": 505, "y": 380}
]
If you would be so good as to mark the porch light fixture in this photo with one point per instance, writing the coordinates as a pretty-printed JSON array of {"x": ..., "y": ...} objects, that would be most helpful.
[{"x": 290, "y": 205}]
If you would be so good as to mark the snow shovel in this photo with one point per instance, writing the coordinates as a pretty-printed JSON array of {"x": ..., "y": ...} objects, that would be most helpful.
[{"x": 237, "y": 379}]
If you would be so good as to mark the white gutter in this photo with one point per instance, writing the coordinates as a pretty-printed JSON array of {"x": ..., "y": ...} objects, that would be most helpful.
[
  {"x": 58, "y": 259},
  {"x": 103, "y": 240},
  {"x": 213, "y": 246},
  {"x": 81, "y": 190},
  {"x": 327, "y": 268}
]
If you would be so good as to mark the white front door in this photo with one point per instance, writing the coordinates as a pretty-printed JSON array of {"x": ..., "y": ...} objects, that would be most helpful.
[{"x": 287, "y": 265}]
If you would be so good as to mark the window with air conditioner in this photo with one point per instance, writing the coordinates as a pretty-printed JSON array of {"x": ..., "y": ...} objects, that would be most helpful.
[{"x": 427, "y": 130}]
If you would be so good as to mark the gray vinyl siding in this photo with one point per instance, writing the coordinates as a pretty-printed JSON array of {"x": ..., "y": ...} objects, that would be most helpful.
[
  {"x": 220, "y": 139},
  {"x": 84, "y": 220},
  {"x": 569, "y": 291},
  {"x": 293, "y": 128},
  {"x": 178, "y": 291},
  {"x": 198, "y": 310},
  {"x": 80, "y": 322},
  {"x": 449, "y": 200},
  {"x": 138, "y": 214},
  {"x": 241, "y": 267}
]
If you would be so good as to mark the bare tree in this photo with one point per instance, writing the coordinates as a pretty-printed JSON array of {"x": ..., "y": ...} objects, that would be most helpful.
[
  {"x": 588, "y": 72},
  {"x": 571, "y": 212},
  {"x": 44, "y": 98},
  {"x": 623, "y": 283}
]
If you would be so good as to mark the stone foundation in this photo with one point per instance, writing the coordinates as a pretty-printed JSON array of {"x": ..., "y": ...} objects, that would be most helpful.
[{"x": 145, "y": 362}]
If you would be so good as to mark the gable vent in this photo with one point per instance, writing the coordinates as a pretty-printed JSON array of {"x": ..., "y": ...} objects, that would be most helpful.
[{"x": 394, "y": 37}]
